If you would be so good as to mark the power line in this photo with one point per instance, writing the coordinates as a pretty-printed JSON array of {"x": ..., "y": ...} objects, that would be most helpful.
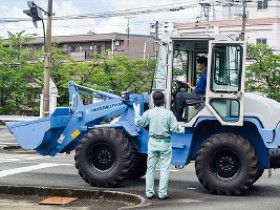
[
  {"x": 122, "y": 13},
  {"x": 126, "y": 12},
  {"x": 139, "y": 22},
  {"x": 138, "y": 11},
  {"x": 129, "y": 12}
]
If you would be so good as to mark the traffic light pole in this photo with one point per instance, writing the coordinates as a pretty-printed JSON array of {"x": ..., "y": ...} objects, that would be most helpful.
[{"x": 47, "y": 58}]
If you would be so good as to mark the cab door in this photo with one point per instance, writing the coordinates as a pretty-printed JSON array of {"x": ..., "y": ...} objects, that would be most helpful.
[{"x": 225, "y": 81}]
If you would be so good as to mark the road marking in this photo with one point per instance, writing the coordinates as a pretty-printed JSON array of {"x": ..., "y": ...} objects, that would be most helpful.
[
  {"x": 172, "y": 170},
  {"x": 10, "y": 160},
  {"x": 6, "y": 158},
  {"x": 33, "y": 158},
  {"x": 184, "y": 200},
  {"x": 27, "y": 169}
]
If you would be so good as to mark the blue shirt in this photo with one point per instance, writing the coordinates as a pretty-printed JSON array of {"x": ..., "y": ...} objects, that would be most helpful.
[
  {"x": 160, "y": 120},
  {"x": 201, "y": 85}
]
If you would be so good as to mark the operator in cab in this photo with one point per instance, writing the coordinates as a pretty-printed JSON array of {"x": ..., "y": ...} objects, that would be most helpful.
[{"x": 198, "y": 91}]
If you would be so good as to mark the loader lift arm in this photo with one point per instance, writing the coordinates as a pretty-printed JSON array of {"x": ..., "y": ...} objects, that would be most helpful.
[{"x": 62, "y": 131}]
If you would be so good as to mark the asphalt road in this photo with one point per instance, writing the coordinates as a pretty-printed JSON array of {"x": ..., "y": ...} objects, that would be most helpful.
[{"x": 185, "y": 192}]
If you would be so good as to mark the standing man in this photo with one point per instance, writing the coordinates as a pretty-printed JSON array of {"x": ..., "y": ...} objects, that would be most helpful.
[
  {"x": 161, "y": 123},
  {"x": 199, "y": 90}
]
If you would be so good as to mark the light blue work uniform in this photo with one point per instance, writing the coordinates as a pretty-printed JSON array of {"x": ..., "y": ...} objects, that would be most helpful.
[{"x": 161, "y": 123}]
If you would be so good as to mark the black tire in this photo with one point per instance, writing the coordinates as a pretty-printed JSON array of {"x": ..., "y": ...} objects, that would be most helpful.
[
  {"x": 258, "y": 175},
  {"x": 226, "y": 164},
  {"x": 104, "y": 157},
  {"x": 140, "y": 166}
]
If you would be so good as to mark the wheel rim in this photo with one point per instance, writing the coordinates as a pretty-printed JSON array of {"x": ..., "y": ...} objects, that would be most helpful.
[
  {"x": 101, "y": 157},
  {"x": 226, "y": 164}
]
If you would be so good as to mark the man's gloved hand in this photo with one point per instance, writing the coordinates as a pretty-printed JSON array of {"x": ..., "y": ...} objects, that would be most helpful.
[
  {"x": 136, "y": 108},
  {"x": 182, "y": 129}
]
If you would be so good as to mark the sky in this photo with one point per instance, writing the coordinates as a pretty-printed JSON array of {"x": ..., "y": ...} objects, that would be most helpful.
[{"x": 138, "y": 24}]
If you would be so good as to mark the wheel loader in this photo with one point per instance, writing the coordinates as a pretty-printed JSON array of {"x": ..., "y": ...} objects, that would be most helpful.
[{"x": 232, "y": 136}]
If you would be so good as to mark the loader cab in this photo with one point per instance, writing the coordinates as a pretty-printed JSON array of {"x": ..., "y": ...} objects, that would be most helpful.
[
  {"x": 184, "y": 68},
  {"x": 225, "y": 75},
  {"x": 177, "y": 62}
]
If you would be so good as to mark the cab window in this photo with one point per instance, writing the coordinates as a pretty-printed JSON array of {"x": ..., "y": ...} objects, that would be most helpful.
[
  {"x": 159, "y": 80},
  {"x": 180, "y": 62},
  {"x": 226, "y": 68}
]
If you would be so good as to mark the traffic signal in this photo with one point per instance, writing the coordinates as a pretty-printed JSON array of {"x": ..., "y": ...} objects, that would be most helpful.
[
  {"x": 154, "y": 30},
  {"x": 34, "y": 12}
]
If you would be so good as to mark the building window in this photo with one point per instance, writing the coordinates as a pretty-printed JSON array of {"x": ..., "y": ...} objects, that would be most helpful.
[
  {"x": 38, "y": 47},
  {"x": 108, "y": 45},
  {"x": 99, "y": 48},
  {"x": 261, "y": 41},
  {"x": 65, "y": 46},
  {"x": 262, "y": 4}
]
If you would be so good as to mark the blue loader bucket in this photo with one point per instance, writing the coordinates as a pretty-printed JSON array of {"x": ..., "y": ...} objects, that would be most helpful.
[
  {"x": 38, "y": 133},
  {"x": 30, "y": 135}
]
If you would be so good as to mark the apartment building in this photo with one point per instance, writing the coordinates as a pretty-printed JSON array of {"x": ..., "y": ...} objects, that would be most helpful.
[
  {"x": 262, "y": 23},
  {"x": 83, "y": 47}
]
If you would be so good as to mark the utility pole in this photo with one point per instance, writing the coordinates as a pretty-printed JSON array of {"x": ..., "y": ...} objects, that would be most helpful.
[
  {"x": 206, "y": 9},
  {"x": 154, "y": 30},
  {"x": 47, "y": 58},
  {"x": 242, "y": 35},
  {"x": 214, "y": 12},
  {"x": 156, "y": 34},
  {"x": 128, "y": 31},
  {"x": 35, "y": 12}
]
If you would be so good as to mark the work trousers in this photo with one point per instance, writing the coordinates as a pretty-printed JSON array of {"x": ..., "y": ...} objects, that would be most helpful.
[
  {"x": 180, "y": 102},
  {"x": 158, "y": 150}
]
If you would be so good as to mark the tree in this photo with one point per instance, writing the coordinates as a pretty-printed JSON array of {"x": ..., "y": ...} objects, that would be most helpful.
[
  {"x": 61, "y": 71},
  {"x": 16, "y": 42},
  {"x": 123, "y": 74},
  {"x": 21, "y": 74},
  {"x": 13, "y": 82},
  {"x": 264, "y": 74}
]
